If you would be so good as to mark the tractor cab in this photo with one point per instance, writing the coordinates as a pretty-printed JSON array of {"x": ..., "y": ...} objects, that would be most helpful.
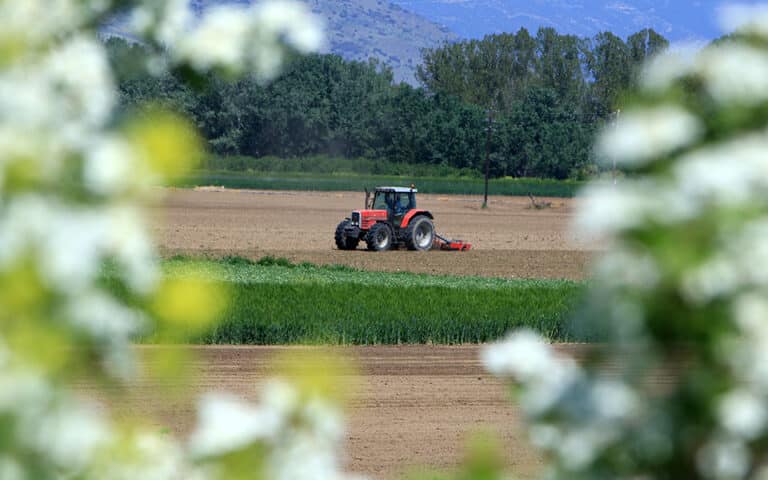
[{"x": 396, "y": 201}]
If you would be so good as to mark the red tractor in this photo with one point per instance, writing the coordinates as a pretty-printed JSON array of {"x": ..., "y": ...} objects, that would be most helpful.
[{"x": 392, "y": 220}]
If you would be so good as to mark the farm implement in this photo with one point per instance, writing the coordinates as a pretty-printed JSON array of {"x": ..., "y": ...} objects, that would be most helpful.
[{"x": 391, "y": 220}]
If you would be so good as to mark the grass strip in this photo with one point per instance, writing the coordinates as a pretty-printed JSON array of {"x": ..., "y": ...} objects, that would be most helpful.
[
  {"x": 356, "y": 183},
  {"x": 276, "y": 302}
]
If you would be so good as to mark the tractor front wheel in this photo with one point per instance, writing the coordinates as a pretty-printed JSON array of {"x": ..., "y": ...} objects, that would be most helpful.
[
  {"x": 420, "y": 234},
  {"x": 344, "y": 241},
  {"x": 379, "y": 237}
]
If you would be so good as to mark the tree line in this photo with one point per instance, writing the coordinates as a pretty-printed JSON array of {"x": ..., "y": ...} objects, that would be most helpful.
[{"x": 528, "y": 105}]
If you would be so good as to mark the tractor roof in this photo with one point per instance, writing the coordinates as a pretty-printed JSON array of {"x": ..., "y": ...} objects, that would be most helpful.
[{"x": 396, "y": 189}]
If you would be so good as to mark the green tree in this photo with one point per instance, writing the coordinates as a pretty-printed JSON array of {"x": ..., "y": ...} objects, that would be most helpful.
[
  {"x": 479, "y": 72},
  {"x": 609, "y": 63},
  {"x": 643, "y": 46}
]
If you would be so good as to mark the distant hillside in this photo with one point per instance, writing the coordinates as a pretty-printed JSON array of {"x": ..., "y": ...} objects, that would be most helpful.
[
  {"x": 678, "y": 20},
  {"x": 360, "y": 29}
]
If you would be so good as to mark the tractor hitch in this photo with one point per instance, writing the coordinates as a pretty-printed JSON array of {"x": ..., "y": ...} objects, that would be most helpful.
[{"x": 453, "y": 245}]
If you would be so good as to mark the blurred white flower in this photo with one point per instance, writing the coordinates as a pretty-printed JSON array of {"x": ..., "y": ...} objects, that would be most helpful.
[
  {"x": 723, "y": 458},
  {"x": 662, "y": 70},
  {"x": 132, "y": 247},
  {"x": 10, "y": 469},
  {"x": 742, "y": 413},
  {"x": 72, "y": 247},
  {"x": 304, "y": 457},
  {"x": 545, "y": 436},
  {"x": 628, "y": 269},
  {"x": 543, "y": 392},
  {"x": 614, "y": 400},
  {"x": 735, "y": 73},
  {"x": 714, "y": 278},
  {"x": 22, "y": 390},
  {"x": 177, "y": 17},
  {"x": 70, "y": 435},
  {"x": 81, "y": 81},
  {"x": 606, "y": 210},
  {"x": 38, "y": 22},
  {"x": 104, "y": 318},
  {"x": 279, "y": 397},
  {"x": 153, "y": 457},
  {"x": 302, "y": 30},
  {"x": 219, "y": 41},
  {"x": 227, "y": 424},
  {"x": 750, "y": 311},
  {"x": 324, "y": 420},
  {"x": 523, "y": 355},
  {"x": 640, "y": 136},
  {"x": 581, "y": 446},
  {"x": 110, "y": 167},
  {"x": 751, "y": 18},
  {"x": 236, "y": 38},
  {"x": 729, "y": 173}
]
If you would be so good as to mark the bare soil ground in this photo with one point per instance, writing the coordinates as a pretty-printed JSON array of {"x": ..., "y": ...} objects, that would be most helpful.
[
  {"x": 509, "y": 239},
  {"x": 411, "y": 407}
]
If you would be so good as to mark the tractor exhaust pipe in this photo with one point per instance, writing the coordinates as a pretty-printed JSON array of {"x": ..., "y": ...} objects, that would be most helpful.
[{"x": 367, "y": 197}]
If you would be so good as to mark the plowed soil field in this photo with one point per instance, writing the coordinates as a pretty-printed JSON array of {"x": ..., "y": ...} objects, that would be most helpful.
[
  {"x": 509, "y": 239},
  {"x": 411, "y": 407}
]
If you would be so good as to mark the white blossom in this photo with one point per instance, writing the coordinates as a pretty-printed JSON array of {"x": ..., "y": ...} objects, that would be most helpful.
[
  {"x": 175, "y": 22},
  {"x": 70, "y": 435},
  {"x": 723, "y": 458},
  {"x": 714, "y": 278},
  {"x": 10, "y": 469},
  {"x": 629, "y": 269},
  {"x": 581, "y": 446},
  {"x": 545, "y": 436},
  {"x": 662, "y": 70},
  {"x": 304, "y": 457},
  {"x": 614, "y": 400},
  {"x": 640, "y": 136},
  {"x": 219, "y": 40},
  {"x": 522, "y": 354},
  {"x": 524, "y": 357},
  {"x": 728, "y": 174},
  {"x": 735, "y": 73},
  {"x": 104, "y": 317},
  {"x": 751, "y": 18},
  {"x": 40, "y": 21},
  {"x": 110, "y": 167},
  {"x": 302, "y": 30},
  {"x": 153, "y": 457},
  {"x": 22, "y": 390},
  {"x": 233, "y": 37},
  {"x": 324, "y": 419},
  {"x": 81, "y": 80},
  {"x": 227, "y": 424},
  {"x": 743, "y": 413}
]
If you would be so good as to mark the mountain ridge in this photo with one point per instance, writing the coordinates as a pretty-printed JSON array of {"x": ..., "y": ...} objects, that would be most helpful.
[{"x": 678, "y": 20}]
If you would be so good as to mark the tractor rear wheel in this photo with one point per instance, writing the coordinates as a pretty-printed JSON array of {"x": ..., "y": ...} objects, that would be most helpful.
[
  {"x": 379, "y": 237},
  {"x": 344, "y": 241},
  {"x": 420, "y": 233}
]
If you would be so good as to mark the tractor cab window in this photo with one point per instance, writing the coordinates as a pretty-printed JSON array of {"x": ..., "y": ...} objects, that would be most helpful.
[
  {"x": 404, "y": 202},
  {"x": 382, "y": 201},
  {"x": 397, "y": 203}
]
